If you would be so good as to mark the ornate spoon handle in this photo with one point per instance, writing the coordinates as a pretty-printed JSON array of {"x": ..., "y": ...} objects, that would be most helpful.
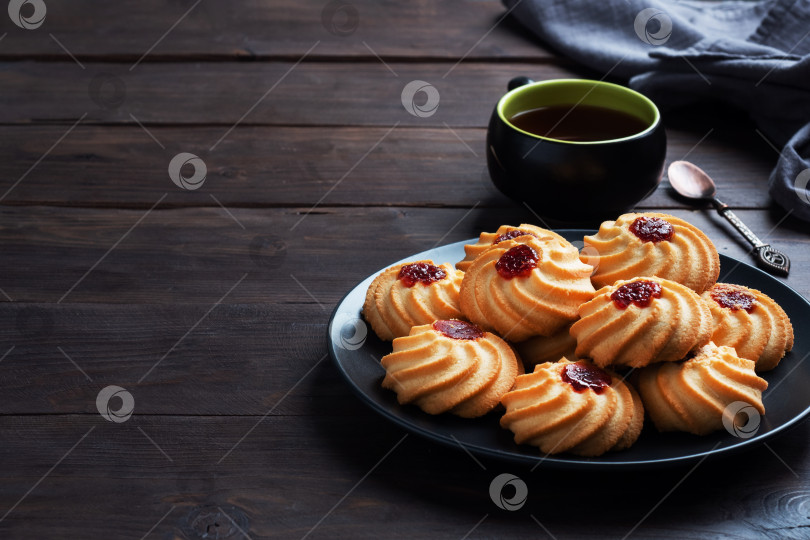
[{"x": 768, "y": 258}]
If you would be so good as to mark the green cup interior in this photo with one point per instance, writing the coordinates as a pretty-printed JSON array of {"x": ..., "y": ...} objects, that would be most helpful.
[{"x": 575, "y": 92}]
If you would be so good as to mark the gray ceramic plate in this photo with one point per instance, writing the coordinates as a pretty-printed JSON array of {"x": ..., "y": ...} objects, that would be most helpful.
[{"x": 356, "y": 352}]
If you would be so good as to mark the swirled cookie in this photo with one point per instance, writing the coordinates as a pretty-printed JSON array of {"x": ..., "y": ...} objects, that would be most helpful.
[
  {"x": 525, "y": 287},
  {"x": 541, "y": 349},
  {"x": 573, "y": 407},
  {"x": 411, "y": 294},
  {"x": 652, "y": 244},
  {"x": 694, "y": 395},
  {"x": 641, "y": 321},
  {"x": 751, "y": 322},
  {"x": 504, "y": 232},
  {"x": 451, "y": 366}
]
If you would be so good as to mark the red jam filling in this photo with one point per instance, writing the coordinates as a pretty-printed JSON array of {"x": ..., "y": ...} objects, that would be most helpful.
[
  {"x": 640, "y": 293},
  {"x": 458, "y": 329},
  {"x": 514, "y": 233},
  {"x": 733, "y": 298},
  {"x": 422, "y": 272},
  {"x": 583, "y": 376},
  {"x": 518, "y": 261},
  {"x": 652, "y": 229}
]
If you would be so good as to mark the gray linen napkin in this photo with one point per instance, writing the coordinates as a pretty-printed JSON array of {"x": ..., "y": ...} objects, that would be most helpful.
[{"x": 752, "y": 54}]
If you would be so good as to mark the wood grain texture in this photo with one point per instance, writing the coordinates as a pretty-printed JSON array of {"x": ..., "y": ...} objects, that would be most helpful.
[
  {"x": 274, "y": 93},
  {"x": 196, "y": 255},
  {"x": 292, "y": 473},
  {"x": 119, "y": 167},
  {"x": 250, "y": 30},
  {"x": 236, "y": 359}
]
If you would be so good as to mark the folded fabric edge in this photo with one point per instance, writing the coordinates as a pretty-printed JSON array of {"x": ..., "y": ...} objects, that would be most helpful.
[{"x": 789, "y": 184}]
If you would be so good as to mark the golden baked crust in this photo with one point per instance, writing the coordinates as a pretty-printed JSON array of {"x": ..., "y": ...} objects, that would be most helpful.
[
  {"x": 392, "y": 307},
  {"x": 541, "y": 349},
  {"x": 693, "y": 395},
  {"x": 544, "y": 410},
  {"x": 539, "y": 303},
  {"x": 487, "y": 240},
  {"x": 761, "y": 333},
  {"x": 689, "y": 257},
  {"x": 666, "y": 330},
  {"x": 438, "y": 373}
]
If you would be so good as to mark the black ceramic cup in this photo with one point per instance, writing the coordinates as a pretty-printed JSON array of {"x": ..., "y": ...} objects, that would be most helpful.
[{"x": 568, "y": 180}]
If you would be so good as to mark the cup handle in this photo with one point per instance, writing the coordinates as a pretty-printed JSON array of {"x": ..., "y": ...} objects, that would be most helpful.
[{"x": 518, "y": 81}]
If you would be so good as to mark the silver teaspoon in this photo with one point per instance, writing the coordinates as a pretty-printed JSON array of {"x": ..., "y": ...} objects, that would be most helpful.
[{"x": 692, "y": 182}]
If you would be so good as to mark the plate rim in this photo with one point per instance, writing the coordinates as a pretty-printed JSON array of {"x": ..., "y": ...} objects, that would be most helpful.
[{"x": 551, "y": 460}]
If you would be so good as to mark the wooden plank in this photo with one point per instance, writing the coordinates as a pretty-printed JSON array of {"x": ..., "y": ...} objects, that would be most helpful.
[
  {"x": 293, "y": 473},
  {"x": 232, "y": 359},
  {"x": 246, "y": 29},
  {"x": 195, "y": 255},
  {"x": 293, "y": 166},
  {"x": 310, "y": 93}
]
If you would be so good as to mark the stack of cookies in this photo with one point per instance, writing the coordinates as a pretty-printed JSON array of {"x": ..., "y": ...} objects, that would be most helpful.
[{"x": 641, "y": 298}]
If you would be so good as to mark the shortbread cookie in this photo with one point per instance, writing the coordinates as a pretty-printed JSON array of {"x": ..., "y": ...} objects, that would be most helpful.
[
  {"x": 652, "y": 244},
  {"x": 573, "y": 407},
  {"x": 412, "y": 294},
  {"x": 641, "y": 321},
  {"x": 525, "y": 287},
  {"x": 541, "y": 349},
  {"x": 694, "y": 395},
  {"x": 751, "y": 322},
  {"x": 451, "y": 366},
  {"x": 504, "y": 232}
]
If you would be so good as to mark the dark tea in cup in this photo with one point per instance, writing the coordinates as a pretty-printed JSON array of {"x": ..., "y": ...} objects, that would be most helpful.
[{"x": 578, "y": 123}]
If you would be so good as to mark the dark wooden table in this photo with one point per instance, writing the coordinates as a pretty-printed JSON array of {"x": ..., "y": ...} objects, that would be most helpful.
[{"x": 209, "y": 307}]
